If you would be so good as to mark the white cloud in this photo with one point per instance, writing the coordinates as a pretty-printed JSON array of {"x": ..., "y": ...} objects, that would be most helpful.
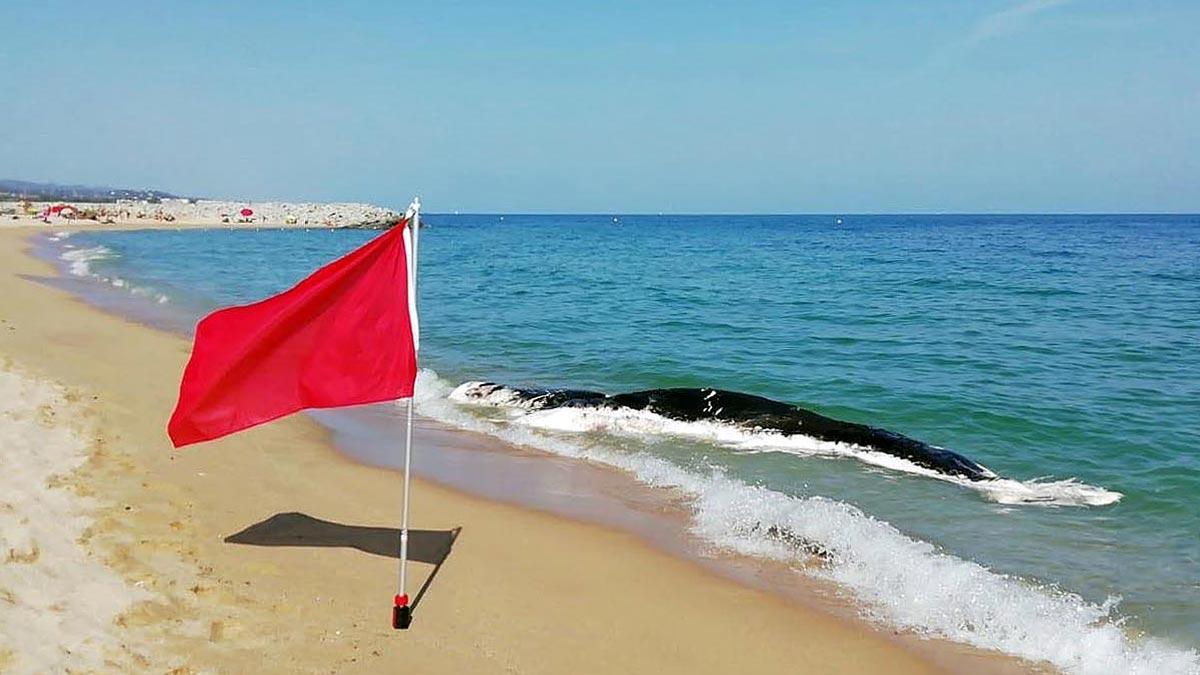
[{"x": 1009, "y": 20}]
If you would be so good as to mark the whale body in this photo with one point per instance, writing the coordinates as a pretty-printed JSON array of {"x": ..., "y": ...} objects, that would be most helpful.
[{"x": 750, "y": 412}]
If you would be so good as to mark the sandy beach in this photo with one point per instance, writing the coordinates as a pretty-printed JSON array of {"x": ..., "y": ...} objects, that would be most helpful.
[
  {"x": 194, "y": 213},
  {"x": 117, "y": 556}
]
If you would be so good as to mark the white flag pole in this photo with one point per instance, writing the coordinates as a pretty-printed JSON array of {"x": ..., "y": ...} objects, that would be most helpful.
[{"x": 402, "y": 611}]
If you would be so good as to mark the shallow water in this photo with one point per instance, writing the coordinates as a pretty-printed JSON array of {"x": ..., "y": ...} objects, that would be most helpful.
[{"x": 1040, "y": 346}]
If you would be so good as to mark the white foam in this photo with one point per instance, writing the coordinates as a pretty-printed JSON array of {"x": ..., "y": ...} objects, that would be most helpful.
[
  {"x": 902, "y": 582},
  {"x": 495, "y": 395},
  {"x": 641, "y": 423},
  {"x": 80, "y": 259},
  {"x": 79, "y": 263}
]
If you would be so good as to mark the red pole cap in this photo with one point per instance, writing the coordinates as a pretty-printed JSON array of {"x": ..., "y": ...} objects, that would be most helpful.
[{"x": 402, "y": 600}]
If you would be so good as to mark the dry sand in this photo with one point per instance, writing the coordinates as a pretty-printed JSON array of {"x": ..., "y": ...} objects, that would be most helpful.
[
  {"x": 521, "y": 591},
  {"x": 47, "y": 575}
]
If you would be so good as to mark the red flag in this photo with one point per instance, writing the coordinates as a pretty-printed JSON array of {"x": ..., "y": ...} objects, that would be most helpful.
[{"x": 344, "y": 336}]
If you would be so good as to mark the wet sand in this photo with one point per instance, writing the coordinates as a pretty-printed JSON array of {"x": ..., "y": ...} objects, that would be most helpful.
[{"x": 308, "y": 582}]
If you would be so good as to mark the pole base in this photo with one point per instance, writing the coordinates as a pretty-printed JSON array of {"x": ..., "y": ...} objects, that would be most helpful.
[{"x": 401, "y": 617}]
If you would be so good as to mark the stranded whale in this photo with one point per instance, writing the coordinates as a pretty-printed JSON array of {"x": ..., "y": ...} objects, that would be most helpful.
[{"x": 743, "y": 410}]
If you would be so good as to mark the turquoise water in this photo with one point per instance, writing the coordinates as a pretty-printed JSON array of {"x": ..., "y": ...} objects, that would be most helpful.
[{"x": 1044, "y": 347}]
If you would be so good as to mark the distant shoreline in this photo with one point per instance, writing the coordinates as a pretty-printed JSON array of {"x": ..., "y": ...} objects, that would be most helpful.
[{"x": 184, "y": 212}]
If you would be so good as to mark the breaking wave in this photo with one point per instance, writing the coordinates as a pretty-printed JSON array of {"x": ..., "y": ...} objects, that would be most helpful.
[
  {"x": 80, "y": 262},
  {"x": 900, "y": 581}
]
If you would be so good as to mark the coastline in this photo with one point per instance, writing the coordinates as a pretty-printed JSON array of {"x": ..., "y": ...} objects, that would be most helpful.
[
  {"x": 32, "y": 223},
  {"x": 251, "y": 604},
  {"x": 207, "y": 212}
]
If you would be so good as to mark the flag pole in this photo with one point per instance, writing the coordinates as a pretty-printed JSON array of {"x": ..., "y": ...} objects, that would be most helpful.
[{"x": 401, "y": 610}]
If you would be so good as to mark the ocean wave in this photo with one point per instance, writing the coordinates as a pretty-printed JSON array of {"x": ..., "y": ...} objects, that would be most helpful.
[
  {"x": 80, "y": 263},
  {"x": 79, "y": 260},
  {"x": 543, "y": 413},
  {"x": 901, "y": 581}
]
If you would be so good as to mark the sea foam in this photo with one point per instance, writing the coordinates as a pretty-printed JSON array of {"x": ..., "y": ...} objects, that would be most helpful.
[
  {"x": 80, "y": 263},
  {"x": 901, "y": 582},
  {"x": 79, "y": 260}
]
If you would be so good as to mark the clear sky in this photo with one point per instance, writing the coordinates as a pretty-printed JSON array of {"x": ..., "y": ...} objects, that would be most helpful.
[{"x": 791, "y": 106}]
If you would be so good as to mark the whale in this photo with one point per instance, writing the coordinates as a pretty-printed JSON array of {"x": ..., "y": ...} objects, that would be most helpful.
[{"x": 746, "y": 411}]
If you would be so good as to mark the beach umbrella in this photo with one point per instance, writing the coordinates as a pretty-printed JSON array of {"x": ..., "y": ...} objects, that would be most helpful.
[{"x": 247, "y": 212}]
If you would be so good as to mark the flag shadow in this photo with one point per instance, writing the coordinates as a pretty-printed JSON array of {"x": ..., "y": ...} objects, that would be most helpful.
[{"x": 301, "y": 529}]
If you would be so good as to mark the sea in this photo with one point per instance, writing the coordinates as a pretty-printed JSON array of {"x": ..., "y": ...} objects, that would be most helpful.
[{"x": 1062, "y": 352}]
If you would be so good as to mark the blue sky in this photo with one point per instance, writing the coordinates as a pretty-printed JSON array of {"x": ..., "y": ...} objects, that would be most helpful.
[{"x": 834, "y": 106}]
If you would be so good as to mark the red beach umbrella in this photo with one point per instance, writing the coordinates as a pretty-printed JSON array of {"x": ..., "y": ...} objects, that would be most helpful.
[{"x": 247, "y": 213}]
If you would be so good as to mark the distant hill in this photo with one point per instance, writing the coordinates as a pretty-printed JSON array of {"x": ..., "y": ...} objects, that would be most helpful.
[{"x": 22, "y": 189}]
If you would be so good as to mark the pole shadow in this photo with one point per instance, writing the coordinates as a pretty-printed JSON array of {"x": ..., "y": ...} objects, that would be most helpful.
[{"x": 300, "y": 529}]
